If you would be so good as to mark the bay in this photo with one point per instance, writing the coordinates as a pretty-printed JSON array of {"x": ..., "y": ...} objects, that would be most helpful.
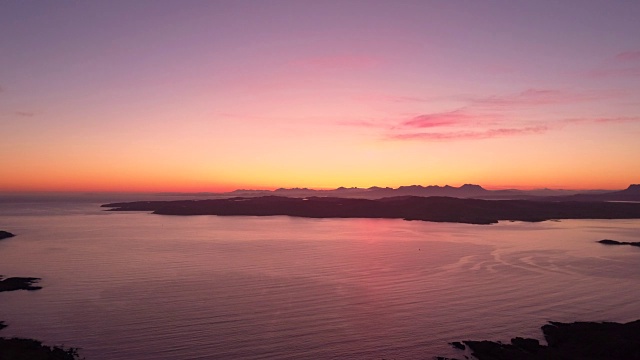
[{"x": 143, "y": 286}]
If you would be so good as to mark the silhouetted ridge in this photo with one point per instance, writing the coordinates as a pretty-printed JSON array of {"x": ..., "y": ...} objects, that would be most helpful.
[
  {"x": 473, "y": 187},
  {"x": 632, "y": 193},
  {"x": 632, "y": 189}
]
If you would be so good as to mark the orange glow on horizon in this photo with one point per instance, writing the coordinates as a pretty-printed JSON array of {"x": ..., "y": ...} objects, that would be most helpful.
[
  {"x": 144, "y": 185},
  {"x": 141, "y": 104}
]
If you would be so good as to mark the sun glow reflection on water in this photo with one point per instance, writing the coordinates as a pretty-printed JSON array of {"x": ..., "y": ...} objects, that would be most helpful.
[{"x": 136, "y": 285}]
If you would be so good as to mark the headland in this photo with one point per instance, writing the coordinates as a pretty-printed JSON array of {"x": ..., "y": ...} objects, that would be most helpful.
[{"x": 434, "y": 208}]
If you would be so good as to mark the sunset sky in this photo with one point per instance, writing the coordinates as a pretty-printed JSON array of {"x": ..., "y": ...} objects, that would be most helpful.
[{"x": 221, "y": 95}]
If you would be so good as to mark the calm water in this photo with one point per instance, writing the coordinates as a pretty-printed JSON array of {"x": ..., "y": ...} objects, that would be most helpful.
[{"x": 142, "y": 286}]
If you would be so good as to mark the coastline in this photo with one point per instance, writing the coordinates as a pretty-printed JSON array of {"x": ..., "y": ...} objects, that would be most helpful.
[
  {"x": 23, "y": 348},
  {"x": 567, "y": 341}
]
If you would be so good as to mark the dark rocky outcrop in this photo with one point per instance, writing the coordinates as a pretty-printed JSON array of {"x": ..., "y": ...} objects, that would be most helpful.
[
  {"x": 29, "y": 349},
  {"x": 5, "y": 234},
  {"x": 19, "y": 283},
  {"x": 615, "y": 242},
  {"x": 568, "y": 341},
  {"x": 435, "y": 208}
]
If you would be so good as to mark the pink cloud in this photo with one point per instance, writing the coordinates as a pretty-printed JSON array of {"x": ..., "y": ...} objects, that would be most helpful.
[
  {"x": 628, "y": 56},
  {"x": 617, "y": 72},
  {"x": 471, "y": 135},
  {"x": 539, "y": 97},
  {"x": 506, "y": 131},
  {"x": 444, "y": 119},
  {"x": 618, "y": 119},
  {"x": 461, "y": 117},
  {"x": 496, "y": 116},
  {"x": 624, "y": 64},
  {"x": 455, "y": 125},
  {"x": 456, "y": 117}
]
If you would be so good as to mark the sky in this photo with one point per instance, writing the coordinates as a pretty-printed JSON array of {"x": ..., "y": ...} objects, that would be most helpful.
[{"x": 222, "y": 95}]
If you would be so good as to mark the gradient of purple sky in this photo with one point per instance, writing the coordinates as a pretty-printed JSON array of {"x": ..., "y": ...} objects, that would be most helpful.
[{"x": 215, "y": 95}]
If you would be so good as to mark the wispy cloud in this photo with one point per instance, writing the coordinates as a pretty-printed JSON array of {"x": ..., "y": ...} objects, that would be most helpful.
[
  {"x": 617, "y": 72},
  {"x": 615, "y": 119},
  {"x": 623, "y": 64},
  {"x": 470, "y": 135},
  {"x": 628, "y": 56},
  {"x": 495, "y": 116},
  {"x": 618, "y": 119},
  {"x": 461, "y": 124},
  {"x": 503, "y": 131},
  {"x": 484, "y": 118},
  {"x": 541, "y": 97},
  {"x": 452, "y": 118},
  {"x": 25, "y": 113}
]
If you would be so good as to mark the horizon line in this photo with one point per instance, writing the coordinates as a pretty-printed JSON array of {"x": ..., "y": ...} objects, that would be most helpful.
[{"x": 273, "y": 189}]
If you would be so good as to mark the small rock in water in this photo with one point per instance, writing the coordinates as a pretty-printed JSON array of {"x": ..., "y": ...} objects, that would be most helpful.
[{"x": 5, "y": 234}]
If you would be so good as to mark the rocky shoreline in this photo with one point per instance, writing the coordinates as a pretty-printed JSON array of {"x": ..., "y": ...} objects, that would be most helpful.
[
  {"x": 28, "y": 349},
  {"x": 19, "y": 283},
  {"x": 566, "y": 341}
]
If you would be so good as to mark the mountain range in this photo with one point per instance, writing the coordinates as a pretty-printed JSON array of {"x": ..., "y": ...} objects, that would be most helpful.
[{"x": 466, "y": 191}]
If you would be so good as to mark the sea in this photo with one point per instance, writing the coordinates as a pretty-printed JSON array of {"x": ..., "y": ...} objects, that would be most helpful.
[{"x": 134, "y": 285}]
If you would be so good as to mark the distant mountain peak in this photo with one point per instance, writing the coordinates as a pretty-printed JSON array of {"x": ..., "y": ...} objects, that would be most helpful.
[
  {"x": 410, "y": 187},
  {"x": 472, "y": 187},
  {"x": 633, "y": 188}
]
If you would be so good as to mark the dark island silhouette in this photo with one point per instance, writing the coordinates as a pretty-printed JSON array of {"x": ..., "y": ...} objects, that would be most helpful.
[
  {"x": 565, "y": 341},
  {"x": 16, "y": 283},
  {"x": 19, "y": 283},
  {"x": 615, "y": 242},
  {"x": 5, "y": 234},
  {"x": 435, "y": 208}
]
